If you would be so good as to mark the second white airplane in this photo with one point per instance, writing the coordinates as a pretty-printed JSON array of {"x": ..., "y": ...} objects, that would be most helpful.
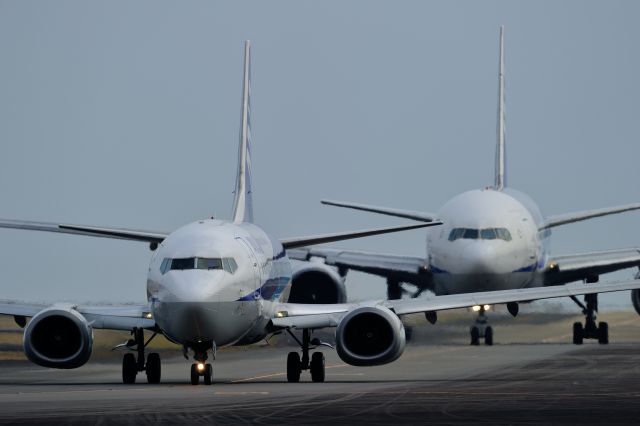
[{"x": 492, "y": 239}]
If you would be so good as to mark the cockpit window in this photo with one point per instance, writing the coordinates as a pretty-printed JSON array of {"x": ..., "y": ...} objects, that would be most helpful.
[
  {"x": 470, "y": 234},
  {"x": 484, "y": 234},
  {"x": 230, "y": 265},
  {"x": 207, "y": 263},
  {"x": 181, "y": 264},
  {"x": 503, "y": 234},
  {"x": 488, "y": 234}
]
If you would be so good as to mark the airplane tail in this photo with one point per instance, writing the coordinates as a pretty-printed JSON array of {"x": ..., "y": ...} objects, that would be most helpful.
[
  {"x": 243, "y": 201},
  {"x": 500, "y": 176}
]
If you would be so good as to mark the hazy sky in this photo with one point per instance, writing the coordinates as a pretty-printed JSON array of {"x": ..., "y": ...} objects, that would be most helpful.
[{"x": 126, "y": 114}]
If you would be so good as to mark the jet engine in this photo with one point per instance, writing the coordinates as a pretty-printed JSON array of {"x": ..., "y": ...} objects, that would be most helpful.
[
  {"x": 635, "y": 299},
  {"x": 58, "y": 338},
  {"x": 370, "y": 335},
  {"x": 316, "y": 283}
]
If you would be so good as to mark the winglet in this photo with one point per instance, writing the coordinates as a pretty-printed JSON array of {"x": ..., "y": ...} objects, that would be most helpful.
[
  {"x": 243, "y": 202},
  {"x": 500, "y": 146}
]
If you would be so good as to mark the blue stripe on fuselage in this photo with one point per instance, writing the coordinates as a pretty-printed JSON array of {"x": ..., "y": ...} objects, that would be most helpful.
[{"x": 270, "y": 290}]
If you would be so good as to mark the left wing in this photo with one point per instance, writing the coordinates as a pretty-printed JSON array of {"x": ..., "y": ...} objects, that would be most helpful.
[
  {"x": 563, "y": 219},
  {"x": 319, "y": 316},
  {"x": 110, "y": 317},
  {"x": 583, "y": 266},
  {"x": 289, "y": 243},
  {"x": 405, "y": 269}
]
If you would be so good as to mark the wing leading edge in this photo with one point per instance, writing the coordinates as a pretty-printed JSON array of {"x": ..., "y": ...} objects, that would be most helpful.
[
  {"x": 320, "y": 316},
  {"x": 109, "y": 317},
  {"x": 563, "y": 219}
]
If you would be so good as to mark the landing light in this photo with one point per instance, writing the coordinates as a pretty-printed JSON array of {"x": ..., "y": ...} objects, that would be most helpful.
[
  {"x": 282, "y": 314},
  {"x": 475, "y": 308},
  {"x": 200, "y": 366},
  {"x": 487, "y": 307}
]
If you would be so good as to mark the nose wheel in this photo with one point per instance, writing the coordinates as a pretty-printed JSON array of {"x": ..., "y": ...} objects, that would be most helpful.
[
  {"x": 295, "y": 365},
  {"x": 481, "y": 329},
  {"x": 201, "y": 368}
]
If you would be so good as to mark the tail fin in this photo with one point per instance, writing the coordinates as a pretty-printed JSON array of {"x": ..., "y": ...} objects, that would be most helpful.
[
  {"x": 243, "y": 202},
  {"x": 501, "y": 180}
]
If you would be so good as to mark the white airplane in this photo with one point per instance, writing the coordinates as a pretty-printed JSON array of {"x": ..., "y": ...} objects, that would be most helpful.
[
  {"x": 215, "y": 283},
  {"x": 492, "y": 239}
]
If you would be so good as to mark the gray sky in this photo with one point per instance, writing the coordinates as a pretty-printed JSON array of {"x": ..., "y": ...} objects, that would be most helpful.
[{"x": 126, "y": 114}]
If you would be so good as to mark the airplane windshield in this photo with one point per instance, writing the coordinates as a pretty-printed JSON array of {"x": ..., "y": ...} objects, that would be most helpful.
[
  {"x": 477, "y": 234},
  {"x": 206, "y": 263}
]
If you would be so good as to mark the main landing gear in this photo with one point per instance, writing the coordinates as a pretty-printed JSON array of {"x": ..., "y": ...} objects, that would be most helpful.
[
  {"x": 481, "y": 328},
  {"x": 590, "y": 330},
  {"x": 201, "y": 368},
  {"x": 131, "y": 364},
  {"x": 295, "y": 365}
]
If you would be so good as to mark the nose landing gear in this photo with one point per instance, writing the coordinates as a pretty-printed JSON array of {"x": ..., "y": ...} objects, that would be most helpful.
[
  {"x": 481, "y": 328},
  {"x": 590, "y": 330},
  {"x": 295, "y": 365},
  {"x": 201, "y": 368}
]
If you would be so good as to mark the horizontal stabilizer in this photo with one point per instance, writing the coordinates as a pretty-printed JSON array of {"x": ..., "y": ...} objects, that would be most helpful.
[
  {"x": 289, "y": 243},
  {"x": 406, "y": 214},
  {"x": 90, "y": 231},
  {"x": 563, "y": 219}
]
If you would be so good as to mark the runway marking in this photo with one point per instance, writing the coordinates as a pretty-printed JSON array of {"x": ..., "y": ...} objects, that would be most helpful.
[
  {"x": 240, "y": 393},
  {"x": 547, "y": 394},
  {"x": 257, "y": 377},
  {"x": 266, "y": 376},
  {"x": 346, "y": 374}
]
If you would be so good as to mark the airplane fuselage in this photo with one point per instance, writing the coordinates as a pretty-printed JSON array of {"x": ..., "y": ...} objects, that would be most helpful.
[
  {"x": 216, "y": 281},
  {"x": 490, "y": 240}
]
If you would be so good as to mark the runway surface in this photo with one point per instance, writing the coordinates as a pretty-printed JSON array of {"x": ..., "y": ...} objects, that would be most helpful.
[{"x": 443, "y": 383}]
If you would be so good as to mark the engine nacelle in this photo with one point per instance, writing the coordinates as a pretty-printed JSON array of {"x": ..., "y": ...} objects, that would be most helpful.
[
  {"x": 316, "y": 283},
  {"x": 370, "y": 335},
  {"x": 635, "y": 299},
  {"x": 58, "y": 338}
]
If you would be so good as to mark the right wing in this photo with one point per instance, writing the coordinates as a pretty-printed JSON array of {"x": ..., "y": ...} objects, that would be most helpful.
[
  {"x": 91, "y": 231},
  {"x": 407, "y": 214},
  {"x": 110, "y": 317},
  {"x": 576, "y": 267},
  {"x": 407, "y": 269}
]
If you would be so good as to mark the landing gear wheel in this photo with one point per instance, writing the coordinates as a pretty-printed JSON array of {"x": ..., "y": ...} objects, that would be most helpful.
[
  {"x": 195, "y": 376},
  {"x": 475, "y": 336},
  {"x": 578, "y": 333},
  {"x": 129, "y": 369},
  {"x": 488, "y": 336},
  {"x": 153, "y": 368},
  {"x": 208, "y": 374},
  {"x": 603, "y": 333},
  {"x": 408, "y": 333},
  {"x": 294, "y": 367},
  {"x": 317, "y": 367}
]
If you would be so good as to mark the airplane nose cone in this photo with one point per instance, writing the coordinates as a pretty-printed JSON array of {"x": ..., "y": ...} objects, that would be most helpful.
[
  {"x": 479, "y": 259},
  {"x": 193, "y": 286}
]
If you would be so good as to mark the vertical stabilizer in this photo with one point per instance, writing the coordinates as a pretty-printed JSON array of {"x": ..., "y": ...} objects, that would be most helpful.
[
  {"x": 243, "y": 203},
  {"x": 500, "y": 145}
]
